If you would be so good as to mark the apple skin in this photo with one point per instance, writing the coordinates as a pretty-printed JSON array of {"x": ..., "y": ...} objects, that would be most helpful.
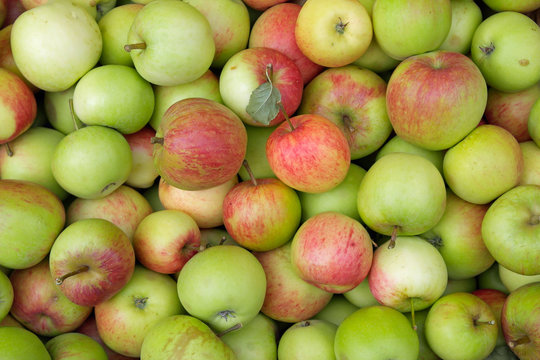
[
  {"x": 58, "y": 110},
  {"x": 355, "y": 100},
  {"x": 484, "y": 165},
  {"x": 6, "y": 295},
  {"x": 31, "y": 217},
  {"x": 337, "y": 310},
  {"x": 106, "y": 252},
  {"x": 361, "y": 295},
  {"x": 513, "y": 280},
  {"x": 39, "y": 304},
  {"x": 461, "y": 326},
  {"x": 419, "y": 106},
  {"x": 332, "y": 251},
  {"x": 466, "y": 16},
  {"x": 256, "y": 153},
  {"x": 74, "y": 346},
  {"x": 310, "y": 339},
  {"x": 288, "y": 298},
  {"x": 425, "y": 352},
  {"x": 313, "y": 156},
  {"x": 143, "y": 172},
  {"x": 275, "y": 29},
  {"x": 511, "y": 230},
  {"x": 17, "y": 343},
  {"x": 533, "y": 123},
  {"x": 509, "y": 5},
  {"x": 246, "y": 70},
  {"x": 60, "y": 34},
  {"x": 375, "y": 59},
  {"x": 531, "y": 163},
  {"x": 506, "y": 48},
  {"x": 190, "y": 155},
  {"x": 490, "y": 279},
  {"x": 376, "y": 333},
  {"x": 6, "y": 56},
  {"x": 463, "y": 285},
  {"x": 262, "y": 5},
  {"x": 511, "y": 110},
  {"x": 495, "y": 299},
  {"x": 521, "y": 322}
]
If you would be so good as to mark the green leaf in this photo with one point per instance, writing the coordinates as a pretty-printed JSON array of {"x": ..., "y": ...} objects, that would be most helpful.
[{"x": 263, "y": 103}]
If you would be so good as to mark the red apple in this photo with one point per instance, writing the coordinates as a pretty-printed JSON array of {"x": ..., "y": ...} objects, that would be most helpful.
[
  {"x": 143, "y": 172},
  {"x": 262, "y": 4},
  {"x": 495, "y": 299}
]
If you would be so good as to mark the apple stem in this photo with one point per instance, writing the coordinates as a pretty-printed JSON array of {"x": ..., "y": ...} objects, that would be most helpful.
[
  {"x": 232, "y": 328},
  {"x": 521, "y": 341},
  {"x": 137, "y": 46},
  {"x": 490, "y": 322},
  {"x": 72, "y": 112},
  {"x": 60, "y": 280},
  {"x": 9, "y": 152},
  {"x": 415, "y": 328},
  {"x": 374, "y": 243},
  {"x": 285, "y": 115},
  {"x": 393, "y": 237},
  {"x": 340, "y": 26},
  {"x": 223, "y": 239},
  {"x": 156, "y": 140},
  {"x": 250, "y": 173}
]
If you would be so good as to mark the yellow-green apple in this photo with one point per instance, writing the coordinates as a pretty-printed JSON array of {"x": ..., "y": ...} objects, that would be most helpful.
[
  {"x": 124, "y": 320},
  {"x": 495, "y": 299},
  {"x": 114, "y": 27},
  {"x": 256, "y": 153},
  {"x": 6, "y": 295},
  {"x": 6, "y": 56},
  {"x": 164, "y": 96},
  {"x": 341, "y": 198},
  {"x": 288, "y": 298},
  {"x": 461, "y": 285},
  {"x": 521, "y": 322},
  {"x": 75, "y": 346},
  {"x": 425, "y": 352},
  {"x": 143, "y": 172},
  {"x": 401, "y": 194},
  {"x": 404, "y": 28},
  {"x": 255, "y": 340},
  {"x": 247, "y": 70},
  {"x": 178, "y": 335},
  {"x": 17, "y": 343},
  {"x": 215, "y": 236},
  {"x": 309, "y": 153},
  {"x": 234, "y": 290},
  {"x": 533, "y": 123},
  {"x": 59, "y": 111},
  {"x": 355, "y": 100},
  {"x": 484, "y": 165},
  {"x": 411, "y": 276},
  {"x": 115, "y": 96},
  {"x": 376, "y": 333},
  {"x": 490, "y": 279},
  {"x": 83, "y": 169},
  {"x": 511, "y": 110},
  {"x": 506, "y": 48},
  {"x": 165, "y": 240},
  {"x": 189, "y": 154},
  {"x": 230, "y": 24},
  {"x": 152, "y": 196},
  {"x": 419, "y": 105},
  {"x": 511, "y": 229},
  {"x": 31, "y": 158},
  {"x": 336, "y": 310},
  {"x": 170, "y": 43},
  {"x": 31, "y": 217},
  {"x": 513, "y": 280},
  {"x": 125, "y": 207},
  {"x": 40, "y": 306},
  {"x": 91, "y": 260},
  {"x": 375, "y": 59},
  {"x": 361, "y": 295},
  {"x": 531, "y": 163},
  {"x": 261, "y": 214},
  {"x": 466, "y": 16},
  {"x": 461, "y": 326},
  {"x": 458, "y": 237},
  {"x": 60, "y": 34},
  {"x": 508, "y": 5},
  {"x": 18, "y": 106},
  {"x": 275, "y": 29},
  {"x": 332, "y": 251},
  {"x": 333, "y": 33},
  {"x": 312, "y": 339},
  {"x": 204, "y": 206},
  {"x": 262, "y": 5}
]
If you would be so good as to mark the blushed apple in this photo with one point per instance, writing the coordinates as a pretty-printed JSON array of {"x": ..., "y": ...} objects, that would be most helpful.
[
  {"x": 143, "y": 172},
  {"x": 531, "y": 163},
  {"x": 6, "y": 56},
  {"x": 262, "y": 5}
]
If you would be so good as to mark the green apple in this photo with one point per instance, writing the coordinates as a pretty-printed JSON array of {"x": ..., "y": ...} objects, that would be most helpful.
[
  {"x": 361, "y": 295},
  {"x": 336, "y": 310},
  {"x": 152, "y": 196},
  {"x": 61, "y": 35},
  {"x": 59, "y": 112},
  {"x": 495, "y": 299},
  {"x": 375, "y": 59},
  {"x": 83, "y": 167},
  {"x": 511, "y": 5},
  {"x": 170, "y": 43},
  {"x": 490, "y": 279},
  {"x": 419, "y": 320},
  {"x": 513, "y": 280},
  {"x": 309, "y": 339},
  {"x": 256, "y": 153},
  {"x": 75, "y": 346},
  {"x": 533, "y": 123},
  {"x": 531, "y": 163},
  {"x": 376, "y": 333},
  {"x": 506, "y": 48},
  {"x": 215, "y": 236},
  {"x": 6, "y": 295},
  {"x": 466, "y": 16},
  {"x": 17, "y": 343},
  {"x": 461, "y": 285}
]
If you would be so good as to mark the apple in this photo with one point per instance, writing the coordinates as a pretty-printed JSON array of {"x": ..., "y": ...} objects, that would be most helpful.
[
  {"x": 246, "y": 70},
  {"x": 375, "y": 59},
  {"x": 143, "y": 172},
  {"x": 506, "y": 5},
  {"x": 60, "y": 34},
  {"x": 262, "y": 5},
  {"x": 6, "y": 295},
  {"x": 59, "y": 110},
  {"x": 256, "y": 153},
  {"x": 215, "y": 236},
  {"x": 152, "y": 196},
  {"x": 10, "y": 321},
  {"x": 91, "y": 260},
  {"x": 405, "y": 28},
  {"x": 115, "y": 96},
  {"x": 6, "y": 56},
  {"x": 490, "y": 279},
  {"x": 361, "y": 295},
  {"x": 288, "y": 298},
  {"x": 336, "y": 310},
  {"x": 531, "y": 163},
  {"x": 418, "y": 318},
  {"x": 84, "y": 170},
  {"x": 17, "y": 343},
  {"x": 376, "y": 333},
  {"x": 40, "y": 306},
  {"x": 419, "y": 105},
  {"x": 355, "y": 100},
  {"x": 521, "y": 323},
  {"x": 461, "y": 326},
  {"x": 14, "y": 8},
  {"x": 461, "y": 285},
  {"x": 484, "y": 165},
  {"x": 75, "y": 346},
  {"x": 125, "y": 207},
  {"x": 275, "y": 29},
  {"x": 31, "y": 217},
  {"x": 183, "y": 55},
  {"x": 495, "y": 299},
  {"x": 513, "y": 280},
  {"x": 533, "y": 123},
  {"x": 510, "y": 229},
  {"x": 506, "y": 48},
  {"x": 466, "y": 16},
  {"x": 311, "y": 339},
  {"x": 187, "y": 152},
  {"x": 309, "y": 153},
  {"x": 165, "y": 240}
]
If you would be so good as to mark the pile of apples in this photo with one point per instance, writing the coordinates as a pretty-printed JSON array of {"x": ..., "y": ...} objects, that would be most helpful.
[{"x": 262, "y": 179}]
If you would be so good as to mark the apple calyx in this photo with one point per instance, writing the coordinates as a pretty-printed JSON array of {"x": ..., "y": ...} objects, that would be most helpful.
[
  {"x": 534, "y": 220},
  {"x": 136, "y": 46},
  {"x": 340, "y": 26},
  {"x": 250, "y": 173},
  {"x": 522, "y": 341},
  {"x": 393, "y": 237},
  {"x": 487, "y": 50},
  {"x": 232, "y": 328},
  {"x": 436, "y": 241},
  {"x": 9, "y": 152},
  {"x": 305, "y": 323},
  {"x": 140, "y": 302},
  {"x": 156, "y": 140},
  {"x": 61, "y": 279}
]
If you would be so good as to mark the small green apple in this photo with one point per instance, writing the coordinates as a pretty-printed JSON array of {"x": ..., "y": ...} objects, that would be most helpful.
[
  {"x": 336, "y": 310},
  {"x": 17, "y": 343},
  {"x": 59, "y": 110},
  {"x": 75, "y": 346}
]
